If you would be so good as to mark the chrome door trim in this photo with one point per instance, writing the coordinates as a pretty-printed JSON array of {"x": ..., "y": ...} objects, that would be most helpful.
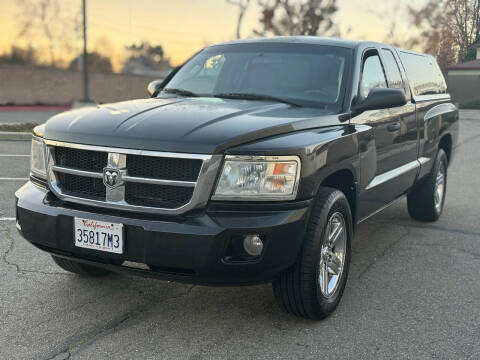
[
  {"x": 423, "y": 160},
  {"x": 391, "y": 174}
]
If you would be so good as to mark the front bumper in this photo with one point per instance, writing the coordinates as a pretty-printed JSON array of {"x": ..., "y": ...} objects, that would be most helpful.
[{"x": 187, "y": 249}]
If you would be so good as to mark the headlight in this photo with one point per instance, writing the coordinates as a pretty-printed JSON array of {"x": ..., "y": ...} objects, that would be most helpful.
[
  {"x": 37, "y": 158},
  {"x": 258, "y": 178}
]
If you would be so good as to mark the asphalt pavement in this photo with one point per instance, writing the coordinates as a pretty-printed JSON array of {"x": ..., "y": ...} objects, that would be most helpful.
[
  {"x": 16, "y": 116},
  {"x": 413, "y": 293}
]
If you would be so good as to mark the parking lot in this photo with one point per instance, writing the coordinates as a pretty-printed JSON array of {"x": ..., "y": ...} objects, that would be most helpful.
[
  {"x": 19, "y": 114},
  {"x": 413, "y": 292}
]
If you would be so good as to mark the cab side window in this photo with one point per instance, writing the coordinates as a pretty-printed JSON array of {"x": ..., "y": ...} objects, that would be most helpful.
[
  {"x": 372, "y": 75},
  {"x": 395, "y": 80}
]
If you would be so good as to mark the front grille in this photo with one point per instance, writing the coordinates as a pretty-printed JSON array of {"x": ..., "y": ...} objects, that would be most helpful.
[
  {"x": 81, "y": 186},
  {"x": 80, "y": 159},
  {"x": 163, "y": 168},
  {"x": 169, "y": 197},
  {"x": 146, "y": 179}
]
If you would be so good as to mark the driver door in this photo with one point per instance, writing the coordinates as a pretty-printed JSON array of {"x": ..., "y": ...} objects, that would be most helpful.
[{"x": 395, "y": 137}]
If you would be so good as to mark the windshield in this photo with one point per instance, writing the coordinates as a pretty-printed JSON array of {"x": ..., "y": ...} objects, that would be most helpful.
[{"x": 300, "y": 74}]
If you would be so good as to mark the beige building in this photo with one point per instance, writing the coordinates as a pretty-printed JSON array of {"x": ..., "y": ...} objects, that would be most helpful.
[{"x": 464, "y": 80}]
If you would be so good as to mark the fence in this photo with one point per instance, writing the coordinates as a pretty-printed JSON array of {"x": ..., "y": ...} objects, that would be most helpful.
[{"x": 27, "y": 85}]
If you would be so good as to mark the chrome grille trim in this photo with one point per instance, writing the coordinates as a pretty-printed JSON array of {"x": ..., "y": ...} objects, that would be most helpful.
[
  {"x": 145, "y": 180},
  {"x": 126, "y": 151},
  {"x": 116, "y": 195},
  {"x": 73, "y": 171},
  {"x": 125, "y": 178},
  {"x": 115, "y": 198}
]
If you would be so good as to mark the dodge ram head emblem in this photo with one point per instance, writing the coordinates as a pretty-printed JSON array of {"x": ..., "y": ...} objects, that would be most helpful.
[{"x": 111, "y": 177}]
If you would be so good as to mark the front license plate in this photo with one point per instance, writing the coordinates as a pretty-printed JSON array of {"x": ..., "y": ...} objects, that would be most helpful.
[{"x": 99, "y": 235}]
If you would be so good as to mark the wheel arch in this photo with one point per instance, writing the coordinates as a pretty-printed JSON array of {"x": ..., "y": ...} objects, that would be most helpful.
[
  {"x": 445, "y": 144},
  {"x": 344, "y": 180}
]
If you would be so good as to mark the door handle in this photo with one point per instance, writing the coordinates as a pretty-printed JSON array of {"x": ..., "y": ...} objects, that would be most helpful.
[{"x": 394, "y": 126}]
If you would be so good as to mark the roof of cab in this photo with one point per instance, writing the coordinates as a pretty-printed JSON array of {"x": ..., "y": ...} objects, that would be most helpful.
[{"x": 302, "y": 40}]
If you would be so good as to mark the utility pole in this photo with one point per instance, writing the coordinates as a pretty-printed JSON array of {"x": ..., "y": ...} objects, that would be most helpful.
[{"x": 85, "y": 54}]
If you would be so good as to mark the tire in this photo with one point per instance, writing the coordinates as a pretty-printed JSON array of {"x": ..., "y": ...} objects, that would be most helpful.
[
  {"x": 298, "y": 290},
  {"x": 79, "y": 268},
  {"x": 423, "y": 202}
]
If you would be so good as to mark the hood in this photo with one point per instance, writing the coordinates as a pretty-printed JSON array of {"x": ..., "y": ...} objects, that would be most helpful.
[{"x": 190, "y": 125}]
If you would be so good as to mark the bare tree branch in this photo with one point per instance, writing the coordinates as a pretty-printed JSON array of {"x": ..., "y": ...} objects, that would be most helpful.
[
  {"x": 44, "y": 20},
  {"x": 449, "y": 29},
  {"x": 242, "y": 9},
  {"x": 290, "y": 17}
]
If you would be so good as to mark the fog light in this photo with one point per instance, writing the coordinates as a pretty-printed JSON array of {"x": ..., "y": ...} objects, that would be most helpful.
[{"x": 253, "y": 245}]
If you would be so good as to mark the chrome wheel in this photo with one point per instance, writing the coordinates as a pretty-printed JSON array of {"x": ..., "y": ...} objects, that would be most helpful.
[
  {"x": 332, "y": 257},
  {"x": 440, "y": 187}
]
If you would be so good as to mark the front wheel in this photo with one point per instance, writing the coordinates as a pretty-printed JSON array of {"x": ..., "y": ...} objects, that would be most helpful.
[{"x": 313, "y": 287}]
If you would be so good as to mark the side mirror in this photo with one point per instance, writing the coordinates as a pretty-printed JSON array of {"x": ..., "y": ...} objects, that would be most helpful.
[
  {"x": 381, "y": 98},
  {"x": 154, "y": 86}
]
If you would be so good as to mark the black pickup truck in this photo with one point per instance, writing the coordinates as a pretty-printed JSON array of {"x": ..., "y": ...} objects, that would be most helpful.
[{"x": 253, "y": 162}]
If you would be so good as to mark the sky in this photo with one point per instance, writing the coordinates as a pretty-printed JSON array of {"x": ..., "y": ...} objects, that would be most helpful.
[{"x": 183, "y": 27}]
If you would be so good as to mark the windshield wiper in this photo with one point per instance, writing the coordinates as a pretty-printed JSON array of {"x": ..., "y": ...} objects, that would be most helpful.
[
  {"x": 250, "y": 96},
  {"x": 181, "y": 92}
]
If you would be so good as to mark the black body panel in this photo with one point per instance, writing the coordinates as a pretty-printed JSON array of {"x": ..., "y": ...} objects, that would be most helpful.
[
  {"x": 188, "y": 249},
  {"x": 185, "y": 125},
  {"x": 374, "y": 157}
]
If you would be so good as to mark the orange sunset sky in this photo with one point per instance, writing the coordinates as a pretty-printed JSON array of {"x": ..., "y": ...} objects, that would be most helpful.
[{"x": 184, "y": 26}]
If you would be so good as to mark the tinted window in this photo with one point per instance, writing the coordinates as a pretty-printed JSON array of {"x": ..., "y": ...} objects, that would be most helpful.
[
  {"x": 423, "y": 74},
  {"x": 372, "y": 75},
  {"x": 202, "y": 75},
  {"x": 311, "y": 75},
  {"x": 393, "y": 72}
]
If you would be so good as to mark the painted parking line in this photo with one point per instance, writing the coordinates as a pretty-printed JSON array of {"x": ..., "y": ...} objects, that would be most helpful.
[
  {"x": 7, "y": 219},
  {"x": 13, "y": 155},
  {"x": 13, "y": 179}
]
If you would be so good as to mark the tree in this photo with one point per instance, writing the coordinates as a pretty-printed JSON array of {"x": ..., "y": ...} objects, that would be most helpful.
[
  {"x": 471, "y": 53},
  {"x": 44, "y": 20},
  {"x": 145, "y": 58},
  {"x": 20, "y": 56},
  {"x": 297, "y": 17},
  {"x": 103, "y": 46},
  {"x": 445, "y": 52},
  {"x": 436, "y": 37},
  {"x": 95, "y": 63},
  {"x": 449, "y": 29},
  {"x": 392, "y": 12},
  {"x": 465, "y": 22},
  {"x": 242, "y": 9}
]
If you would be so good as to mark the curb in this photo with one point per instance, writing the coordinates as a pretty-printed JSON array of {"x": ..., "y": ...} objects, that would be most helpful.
[
  {"x": 35, "y": 107},
  {"x": 16, "y": 136}
]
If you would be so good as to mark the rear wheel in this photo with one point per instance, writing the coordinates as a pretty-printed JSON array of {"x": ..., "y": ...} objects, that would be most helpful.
[
  {"x": 313, "y": 287},
  {"x": 78, "y": 268},
  {"x": 425, "y": 202}
]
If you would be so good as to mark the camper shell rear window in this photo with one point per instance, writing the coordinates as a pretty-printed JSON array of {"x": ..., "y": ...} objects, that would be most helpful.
[{"x": 424, "y": 74}]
